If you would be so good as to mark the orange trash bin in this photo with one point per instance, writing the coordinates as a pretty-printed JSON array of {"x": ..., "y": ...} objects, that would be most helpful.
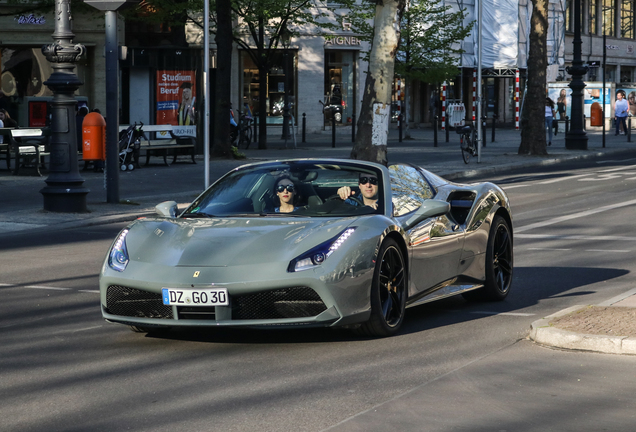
[
  {"x": 93, "y": 137},
  {"x": 596, "y": 115}
]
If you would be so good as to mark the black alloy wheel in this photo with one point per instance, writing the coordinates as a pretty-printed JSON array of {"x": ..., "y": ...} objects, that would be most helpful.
[
  {"x": 499, "y": 260},
  {"x": 388, "y": 292}
]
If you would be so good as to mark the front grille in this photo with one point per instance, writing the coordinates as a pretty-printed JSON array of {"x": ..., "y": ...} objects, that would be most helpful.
[
  {"x": 131, "y": 302},
  {"x": 295, "y": 302},
  {"x": 196, "y": 313}
]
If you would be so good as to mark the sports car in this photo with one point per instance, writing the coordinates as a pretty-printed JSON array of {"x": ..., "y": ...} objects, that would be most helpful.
[{"x": 310, "y": 242}]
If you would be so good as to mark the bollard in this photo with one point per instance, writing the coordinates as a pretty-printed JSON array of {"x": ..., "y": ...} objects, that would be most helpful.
[
  {"x": 629, "y": 129},
  {"x": 333, "y": 131},
  {"x": 304, "y": 126},
  {"x": 399, "y": 127},
  {"x": 435, "y": 131},
  {"x": 353, "y": 128},
  {"x": 484, "y": 123},
  {"x": 447, "y": 131},
  {"x": 567, "y": 124},
  {"x": 256, "y": 129},
  {"x": 494, "y": 118}
]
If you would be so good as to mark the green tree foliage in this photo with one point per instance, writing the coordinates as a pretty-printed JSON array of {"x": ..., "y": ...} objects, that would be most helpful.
[{"x": 429, "y": 47}]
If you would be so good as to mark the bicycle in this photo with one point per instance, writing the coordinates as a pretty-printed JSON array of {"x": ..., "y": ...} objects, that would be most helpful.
[
  {"x": 466, "y": 142},
  {"x": 241, "y": 136}
]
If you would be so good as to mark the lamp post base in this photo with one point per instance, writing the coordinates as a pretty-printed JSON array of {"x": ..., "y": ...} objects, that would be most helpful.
[
  {"x": 65, "y": 198},
  {"x": 575, "y": 140}
]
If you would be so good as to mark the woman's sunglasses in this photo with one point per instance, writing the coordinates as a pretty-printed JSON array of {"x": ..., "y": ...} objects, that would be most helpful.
[
  {"x": 280, "y": 188},
  {"x": 365, "y": 180}
]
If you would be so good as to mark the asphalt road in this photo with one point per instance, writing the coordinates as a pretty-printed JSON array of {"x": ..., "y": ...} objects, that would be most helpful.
[{"x": 455, "y": 365}]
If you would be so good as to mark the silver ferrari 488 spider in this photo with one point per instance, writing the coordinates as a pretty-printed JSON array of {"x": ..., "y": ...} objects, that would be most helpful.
[{"x": 310, "y": 243}]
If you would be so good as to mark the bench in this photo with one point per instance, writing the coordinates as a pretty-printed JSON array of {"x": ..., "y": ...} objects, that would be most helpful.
[
  {"x": 176, "y": 146},
  {"x": 28, "y": 146}
]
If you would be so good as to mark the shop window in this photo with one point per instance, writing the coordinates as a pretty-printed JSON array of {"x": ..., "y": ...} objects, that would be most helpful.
[
  {"x": 23, "y": 71},
  {"x": 275, "y": 90},
  {"x": 340, "y": 86}
]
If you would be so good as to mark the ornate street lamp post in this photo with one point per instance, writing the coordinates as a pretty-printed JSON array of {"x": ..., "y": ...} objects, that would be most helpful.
[
  {"x": 576, "y": 138},
  {"x": 285, "y": 39},
  {"x": 64, "y": 191}
]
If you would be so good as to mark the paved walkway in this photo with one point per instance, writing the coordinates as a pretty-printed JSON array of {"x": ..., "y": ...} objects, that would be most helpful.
[{"x": 608, "y": 327}]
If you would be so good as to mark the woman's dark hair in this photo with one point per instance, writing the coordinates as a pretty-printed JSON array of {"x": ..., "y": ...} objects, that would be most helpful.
[
  {"x": 549, "y": 101},
  {"x": 296, "y": 191}
]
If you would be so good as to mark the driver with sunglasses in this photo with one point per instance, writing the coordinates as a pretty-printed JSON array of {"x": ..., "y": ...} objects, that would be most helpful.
[{"x": 368, "y": 189}]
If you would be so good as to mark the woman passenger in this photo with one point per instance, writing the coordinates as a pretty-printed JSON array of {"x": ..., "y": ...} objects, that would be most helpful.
[{"x": 287, "y": 194}]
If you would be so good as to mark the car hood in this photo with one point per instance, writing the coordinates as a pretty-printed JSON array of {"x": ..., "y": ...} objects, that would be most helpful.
[{"x": 228, "y": 242}]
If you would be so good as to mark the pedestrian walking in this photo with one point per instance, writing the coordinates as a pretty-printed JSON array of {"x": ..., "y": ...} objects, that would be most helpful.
[
  {"x": 621, "y": 109},
  {"x": 549, "y": 117}
]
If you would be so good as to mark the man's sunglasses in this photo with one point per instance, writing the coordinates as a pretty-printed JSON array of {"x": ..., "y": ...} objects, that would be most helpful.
[
  {"x": 280, "y": 188},
  {"x": 365, "y": 180}
]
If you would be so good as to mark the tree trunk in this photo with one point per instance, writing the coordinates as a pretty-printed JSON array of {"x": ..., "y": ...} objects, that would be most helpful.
[
  {"x": 222, "y": 145},
  {"x": 533, "y": 116},
  {"x": 373, "y": 125}
]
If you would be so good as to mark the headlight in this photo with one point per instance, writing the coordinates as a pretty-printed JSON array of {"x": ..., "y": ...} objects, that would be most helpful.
[
  {"x": 118, "y": 257},
  {"x": 320, "y": 253}
]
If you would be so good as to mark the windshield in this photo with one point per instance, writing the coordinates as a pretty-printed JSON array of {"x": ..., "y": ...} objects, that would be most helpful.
[{"x": 304, "y": 189}]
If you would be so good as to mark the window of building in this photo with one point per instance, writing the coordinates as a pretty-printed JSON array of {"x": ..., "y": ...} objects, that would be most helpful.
[
  {"x": 340, "y": 85},
  {"x": 627, "y": 19},
  {"x": 627, "y": 73},
  {"x": 592, "y": 16},
  {"x": 274, "y": 92},
  {"x": 608, "y": 17},
  {"x": 569, "y": 26}
]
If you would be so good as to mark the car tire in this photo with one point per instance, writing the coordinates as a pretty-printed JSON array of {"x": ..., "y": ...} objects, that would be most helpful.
[
  {"x": 499, "y": 264},
  {"x": 388, "y": 292}
]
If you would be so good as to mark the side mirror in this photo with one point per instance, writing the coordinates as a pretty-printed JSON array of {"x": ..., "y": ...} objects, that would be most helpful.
[
  {"x": 167, "y": 209},
  {"x": 430, "y": 208}
]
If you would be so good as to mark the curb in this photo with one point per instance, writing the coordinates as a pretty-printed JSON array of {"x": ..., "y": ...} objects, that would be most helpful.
[
  {"x": 550, "y": 160},
  {"x": 544, "y": 334}
]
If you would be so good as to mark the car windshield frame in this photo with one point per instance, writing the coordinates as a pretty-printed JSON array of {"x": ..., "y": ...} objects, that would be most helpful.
[{"x": 248, "y": 191}]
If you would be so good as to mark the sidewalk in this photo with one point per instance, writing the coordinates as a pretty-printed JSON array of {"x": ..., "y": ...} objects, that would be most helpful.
[{"x": 609, "y": 327}]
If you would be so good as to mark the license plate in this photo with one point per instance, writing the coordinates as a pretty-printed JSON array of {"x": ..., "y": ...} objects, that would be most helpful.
[{"x": 196, "y": 297}]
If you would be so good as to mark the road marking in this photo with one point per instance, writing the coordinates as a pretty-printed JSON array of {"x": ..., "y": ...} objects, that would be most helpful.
[
  {"x": 87, "y": 328},
  {"x": 574, "y": 237},
  {"x": 516, "y": 186},
  {"x": 503, "y": 313},
  {"x": 619, "y": 168},
  {"x": 574, "y": 216},
  {"x": 608, "y": 251},
  {"x": 46, "y": 288},
  {"x": 601, "y": 177},
  {"x": 549, "y": 249},
  {"x": 562, "y": 179}
]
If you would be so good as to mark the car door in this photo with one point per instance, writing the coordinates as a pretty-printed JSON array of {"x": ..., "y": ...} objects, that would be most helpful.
[{"x": 435, "y": 244}]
